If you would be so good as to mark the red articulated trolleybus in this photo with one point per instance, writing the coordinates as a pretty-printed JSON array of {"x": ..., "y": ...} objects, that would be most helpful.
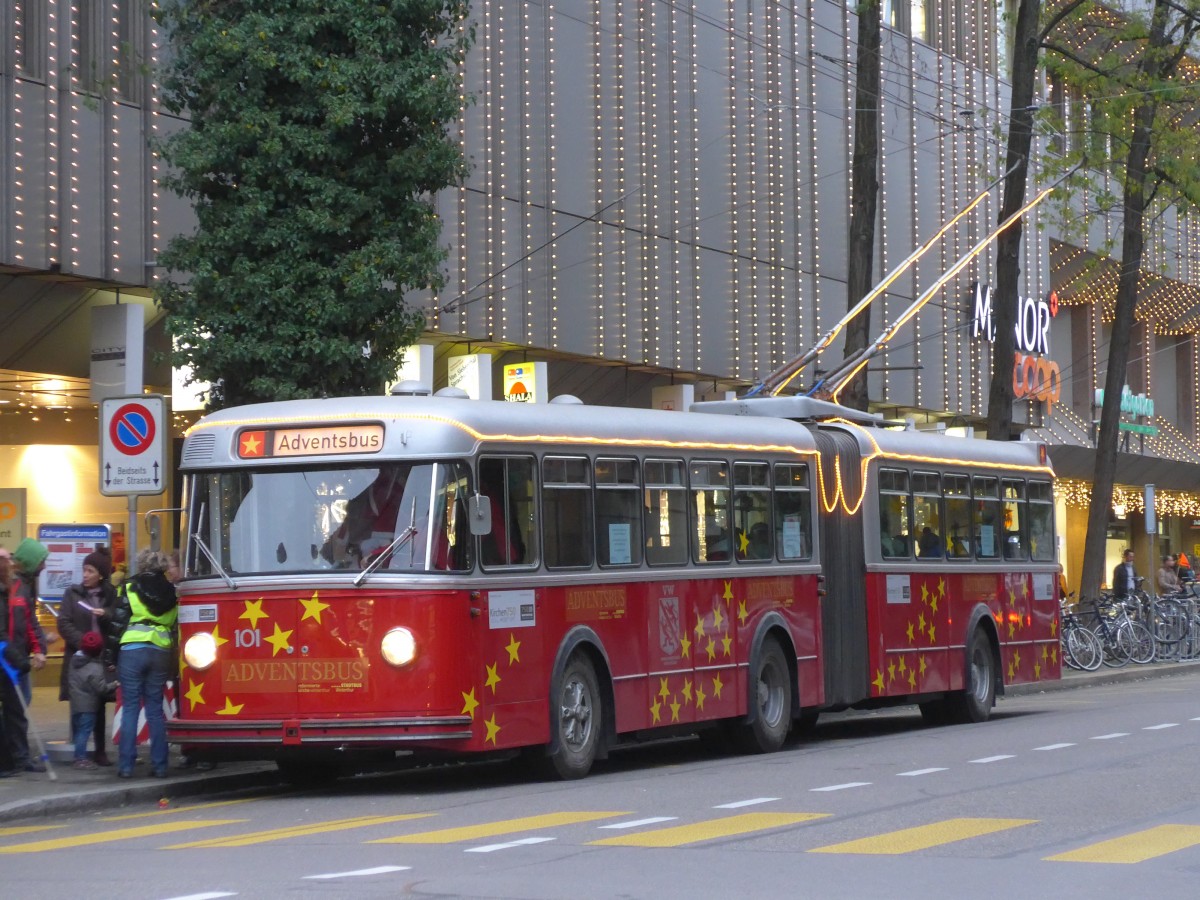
[{"x": 377, "y": 574}]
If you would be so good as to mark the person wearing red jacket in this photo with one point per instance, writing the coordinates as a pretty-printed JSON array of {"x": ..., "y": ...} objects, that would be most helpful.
[{"x": 22, "y": 649}]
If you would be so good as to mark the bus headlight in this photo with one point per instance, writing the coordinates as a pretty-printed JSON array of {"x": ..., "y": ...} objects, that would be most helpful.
[
  {"x": 399, "y": 647},
  {"x": 200, "y": 651}
]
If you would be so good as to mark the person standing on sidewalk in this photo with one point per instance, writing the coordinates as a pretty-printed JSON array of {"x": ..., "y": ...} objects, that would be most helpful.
[
  {"x": 1124, "y": 576},
  {"x": 87, "y": 608},
  {"x": 89, "y": 685},
  {"x": 147, "y": 609},
  {"x": 18, "y": 599}
]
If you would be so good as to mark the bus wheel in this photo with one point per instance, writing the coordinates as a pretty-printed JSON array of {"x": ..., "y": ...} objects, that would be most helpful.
[
  {"x": 577, "y": 719},
  {"x": 974, "y": 703},
  {"x": 771, "y": 696}
]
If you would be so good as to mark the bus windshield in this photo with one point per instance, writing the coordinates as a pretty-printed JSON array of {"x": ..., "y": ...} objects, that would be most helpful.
[{"x": 282, "y": 521}]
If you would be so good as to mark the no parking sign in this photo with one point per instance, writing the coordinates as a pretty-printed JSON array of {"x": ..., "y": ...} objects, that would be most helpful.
[{"x": 133, "y": 442}]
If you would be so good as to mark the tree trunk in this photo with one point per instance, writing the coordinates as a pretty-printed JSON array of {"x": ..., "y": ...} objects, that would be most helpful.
[
  {"x": 1132, "y": 244},
  {"x": 1008, "y": 246},
  {"x": 864, "y": 188}
]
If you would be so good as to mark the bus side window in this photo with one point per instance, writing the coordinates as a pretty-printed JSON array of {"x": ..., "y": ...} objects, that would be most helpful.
[
  {"x": 793, "y": 512},
  {"x": 1041, "y": 520},
  {"x": 618, "y": 515},
  {"x": 927, "y": 515},
  {"x": 566, "y": 512},
  {"x": 894, "y": 522},
  {"x": 957, "y": 490},
  {"x": 709, "y": 482},
  {"x": 752, "y": 511},
  {"x": 1015, "y": 529},
  {"x": 664, "y": 510},
  {"x": 508, "y": 483}
]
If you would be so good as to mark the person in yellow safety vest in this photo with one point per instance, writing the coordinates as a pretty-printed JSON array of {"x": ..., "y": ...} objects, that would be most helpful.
[{"x": 147, "y": 609}]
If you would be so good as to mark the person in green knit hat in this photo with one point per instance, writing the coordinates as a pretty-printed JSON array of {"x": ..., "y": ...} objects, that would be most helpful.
[{"x": 26, "y": 648}]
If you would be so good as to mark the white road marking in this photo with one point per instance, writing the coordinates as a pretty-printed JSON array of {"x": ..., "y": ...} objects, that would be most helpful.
[
  {"x": 992, "y": 759},
  {"x": 510, "y": 844},
  {"x": 378, "y": 870},
  {"x": 636, "y": 822},
  {"x": 919, "y": 772},
  {"x": 1054, "y": 747},
  {"x": 210, "y": 895},
  {"x": 737, "y": 804},
  {"x": 1160, "y": 727},
  {"x": 1109, "y": 737},
  {"x": 842, "y": 787}
]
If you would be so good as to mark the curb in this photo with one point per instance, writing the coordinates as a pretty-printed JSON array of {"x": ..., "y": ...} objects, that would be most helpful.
[
  {"x": 1073, "y": 680},
  {"x": 148, "y": 791}
]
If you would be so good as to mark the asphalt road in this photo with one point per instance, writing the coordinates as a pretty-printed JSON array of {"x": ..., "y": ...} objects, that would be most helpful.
[{"x": 1075, "y": 793}]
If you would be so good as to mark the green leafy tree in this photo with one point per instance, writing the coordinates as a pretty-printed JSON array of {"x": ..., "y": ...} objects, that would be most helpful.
[
  {"x": 318, "y": 138},
  {"x": 1142, "y": 130}
]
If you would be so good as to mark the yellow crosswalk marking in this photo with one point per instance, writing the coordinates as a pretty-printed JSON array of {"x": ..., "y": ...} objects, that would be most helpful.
[
  {"x": 1137, "y": 847},
  {"x": 908, "y": 840},
  {"x": 174, "y": 810},
  {"x": 492, "y": 829},
  {"x": 118, "y": 834},
  {"x": 27, "y": 829},
  {"x": 728, "y": 826},
  {"x": 279, "y": 834}
]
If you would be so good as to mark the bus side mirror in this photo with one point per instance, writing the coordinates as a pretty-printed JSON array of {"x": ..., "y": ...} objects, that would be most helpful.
[{"x": 479, "y": 513}]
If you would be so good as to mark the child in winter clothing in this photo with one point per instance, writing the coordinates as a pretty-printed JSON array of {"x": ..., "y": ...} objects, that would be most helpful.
[{"x": 89, "y": 685}]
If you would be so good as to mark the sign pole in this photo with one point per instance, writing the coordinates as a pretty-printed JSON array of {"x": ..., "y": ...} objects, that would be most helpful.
[
  {"x": 1151, "y": 535},
  {"x": 131, "y": 537}
]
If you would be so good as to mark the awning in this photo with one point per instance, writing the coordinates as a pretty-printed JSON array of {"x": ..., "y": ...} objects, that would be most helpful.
[{"x": 1133, "y": 469}]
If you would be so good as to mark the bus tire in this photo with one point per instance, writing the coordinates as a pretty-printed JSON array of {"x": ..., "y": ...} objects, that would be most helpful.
[
  {"x": 577, "y": 717},
  {"x": 974, "y": 703},
  {"x": 771, "y": 700}
]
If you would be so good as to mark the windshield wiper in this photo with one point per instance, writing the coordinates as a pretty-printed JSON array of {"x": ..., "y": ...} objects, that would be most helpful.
[
  {"x": 212, "y": 560},
  {"x": 397, "y": 542}
]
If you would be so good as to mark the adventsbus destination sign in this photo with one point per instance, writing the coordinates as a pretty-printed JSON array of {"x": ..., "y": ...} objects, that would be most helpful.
[
  {"x": 1034, "y": 376},
  {"x": 276, "y": 442}
]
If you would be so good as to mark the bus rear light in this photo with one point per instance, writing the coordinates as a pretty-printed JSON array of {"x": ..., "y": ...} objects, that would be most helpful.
[
  {"x": 200, "y": 651},
  {"x": 398, "y": 647}
]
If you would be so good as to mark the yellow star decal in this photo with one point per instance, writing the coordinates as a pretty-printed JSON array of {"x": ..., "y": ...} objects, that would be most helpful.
[
  {"x": 1054, "y": 655},
  {"x": 717, "y": 686},
  {"x": 924, "y": 665},
  {"x": 253, "y": 612},
  {"x": 924, "y": 593},
  {"x": 279, "y": 640},
  {"x": 700, "y": 698},
  {"x": 656, "y": 711},
  {"x": 193, "y": 694},
  {"x": 687, "y": 689},
  {"x": 250, "y": 445},
  {"x": 217, "y": 637},
  {"x": 727, "y": 646},
  {"x": 470, "y": 704},
  {"x": 1010, "y": 670},
  {"x": 718, "y": 619},
  {"x": 728, "y": 595},
  {"x": 1017, "y": 658},
  {"x": 313, "y": 608},
  {"x": 493, "y": 679},
  {"x": 492, "y": 729},
  {"x": 685, "y": 645},
  {"x": 878, "y": 682},
  {"x": 910, "y": 632},
  {"x": 1012, "y": 598},
  {"x": 1037, "y": 671},
  {"x": 933, "y": 605},
  {"x": 932, "y": 633},
  {"x": 230, "y": 708},
  {"x": 891, "y": 672},
  {"x": 513, "y": 648},
  {"x": 1045, "y": 653},
  {"x": 921, "y": 623},
  {"x": 1054, "y": 627},
  {"x": 1024, "y": 588},
  {"x": 1012, "y": 628},
  {"x": 743, "y": 543},
  {"x": 742, "y": 614},
  {"x": 674, "y": 704},
  {"x": 699, "y": 629},
  {"x": 711, "y": 649},
  {"x": 941, "y": 589},
  {"x": 912, "y": 678},
  {"x": 901, "y": 667},
  {"x": 663, "y": 690}
]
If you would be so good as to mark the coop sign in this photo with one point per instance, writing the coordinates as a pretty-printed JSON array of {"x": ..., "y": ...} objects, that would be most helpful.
[{"x": 1035, "y": 377}]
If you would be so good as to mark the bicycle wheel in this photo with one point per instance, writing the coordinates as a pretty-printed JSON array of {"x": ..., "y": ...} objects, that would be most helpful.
[
  {"x": 1084, "y": 649},
  {"x": 1115, "y": 656},
  {"x": 1138, "y": 641}
]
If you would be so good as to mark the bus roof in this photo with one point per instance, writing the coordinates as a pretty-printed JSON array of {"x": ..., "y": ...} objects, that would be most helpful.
[{"x": 439, "y": 427}]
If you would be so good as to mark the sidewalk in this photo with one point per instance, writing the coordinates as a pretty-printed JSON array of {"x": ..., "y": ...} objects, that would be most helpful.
[{"x": 73, "y": 790}]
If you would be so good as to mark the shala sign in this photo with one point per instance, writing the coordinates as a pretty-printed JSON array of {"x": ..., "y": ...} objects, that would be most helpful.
[{"x": 1034, "y": 376}]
